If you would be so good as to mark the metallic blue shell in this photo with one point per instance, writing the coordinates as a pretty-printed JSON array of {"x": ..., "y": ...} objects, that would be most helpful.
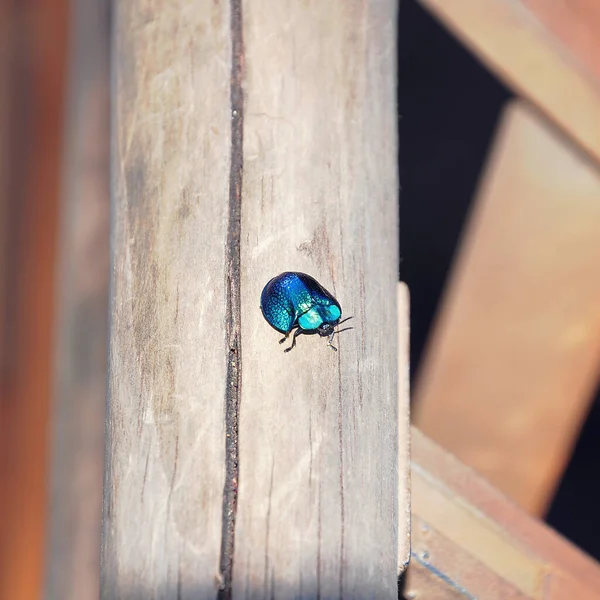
[{"x": 296, "y": 299}]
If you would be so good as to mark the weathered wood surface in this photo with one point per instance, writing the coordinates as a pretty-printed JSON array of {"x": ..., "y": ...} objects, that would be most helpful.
[
  {"x": 34, "y": 35},
  {"x": 512, "y": 42},
  {"x": 77, "y": 418},
  {"x": 247, "y": 143},
  {"x": 469, "y": 541},
  {"x": 513, "y": 363},
  {"x": 165, "y": 467}
]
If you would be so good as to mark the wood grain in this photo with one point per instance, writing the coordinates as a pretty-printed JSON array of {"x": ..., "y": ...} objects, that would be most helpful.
[
  {"x": 317, "y": 514},
  {"x": 470, "y": 541},
  {"x": 513, "y": 362},
  {"x": 77, "y": 418},
  {"x": 249, "y": 140},
  {"x": 511, "y": 41},
  {"x": 167, "y": 359}
]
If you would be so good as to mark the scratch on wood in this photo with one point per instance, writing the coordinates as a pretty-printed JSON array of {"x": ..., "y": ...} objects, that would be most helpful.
[
  {"x": 179, "y": 593},
  {"x": 174, "y": 475},
  {"x": 310, "y": 464},
  {"x": 272, "y": 586},
  {"x": 319, "y": 531},
  {"x": 268, "y": 528},
  {"x": 145, "y": 475},
  {"x": 233, "y": 388},
  {"x": 341, "y": 445},
  {"x": 247, "y": 580}
]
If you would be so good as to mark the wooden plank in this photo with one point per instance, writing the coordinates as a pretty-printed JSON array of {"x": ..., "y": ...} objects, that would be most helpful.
[
  {"x": 576, "y": 24},
  {"x": 75, "y": 505},
  {"x": 523, "y": 53},
  {"x": 297, "y": 173},
  {"x": 39, "y": 33},
  {"x": 317, "y": 514},
  {"x": 469, "y": 541},
  {"x": 168, "y": 350},
  {"x": 513, "y": 362}
]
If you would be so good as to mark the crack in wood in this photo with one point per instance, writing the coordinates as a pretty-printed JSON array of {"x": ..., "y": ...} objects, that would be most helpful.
[{"x": 233, "y": 387}]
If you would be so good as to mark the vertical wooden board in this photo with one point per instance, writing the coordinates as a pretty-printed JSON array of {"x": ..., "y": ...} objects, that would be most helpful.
[
  {"x": 318, "y": 485},
  {"x": 167, "y": 361},
  {"x": 77, "y": 418},
  {"x": 6, "y": 60},
  {"x": 513, "y": 362},
  {"x": 37, "y": 58}
]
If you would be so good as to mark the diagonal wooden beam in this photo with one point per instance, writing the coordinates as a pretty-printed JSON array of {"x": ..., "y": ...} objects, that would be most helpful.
[
  {"x": 513, "y": 362},
  {"x": 470, "y": 541},
  {"x": 512, "y": 42},
  {"x": 575, "y": 24}
]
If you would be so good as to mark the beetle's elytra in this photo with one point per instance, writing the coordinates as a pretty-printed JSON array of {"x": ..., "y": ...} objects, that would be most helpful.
[{"x": 298, "y": 301}]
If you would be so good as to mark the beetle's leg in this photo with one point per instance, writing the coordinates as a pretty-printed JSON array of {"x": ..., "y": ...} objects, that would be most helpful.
[
  {"x": 287, "y": 335},
  {"x": 296, "y": 334},
  {"x": 338, "y": 331},
  {"x": 331, "y": 340},
  {"x": 329, "y": 343}
]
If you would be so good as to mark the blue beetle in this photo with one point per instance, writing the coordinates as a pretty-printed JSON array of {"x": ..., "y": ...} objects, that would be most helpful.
[{"x": 297, "y": 301}]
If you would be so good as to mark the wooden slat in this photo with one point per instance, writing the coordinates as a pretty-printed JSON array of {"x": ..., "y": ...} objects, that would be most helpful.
[
  {"x": 273, "y": 131},
  {"x": 522, "y": 52},
  {"x": 38, "y": 59},
  {"x": 318, "y": 448},
  {"x": 471, "y": 542},
  {"x": 513, "y": 362},
  {"x": 75, "y": 506},
  {"x": 167, "y": 358}
]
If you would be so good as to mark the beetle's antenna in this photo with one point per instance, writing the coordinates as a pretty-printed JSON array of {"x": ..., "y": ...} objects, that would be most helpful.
[
  {"x": 346, "y": 319},
  {"x": 340, "y": 330}
]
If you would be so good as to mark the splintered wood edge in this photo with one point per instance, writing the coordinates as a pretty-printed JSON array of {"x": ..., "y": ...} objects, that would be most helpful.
[
  {"x": 404, "y": 482},
  {"x": 511, "y": 41}
]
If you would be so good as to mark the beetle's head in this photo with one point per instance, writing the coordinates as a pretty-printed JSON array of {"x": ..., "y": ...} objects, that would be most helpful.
[{"x": 325, "y": 329}]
